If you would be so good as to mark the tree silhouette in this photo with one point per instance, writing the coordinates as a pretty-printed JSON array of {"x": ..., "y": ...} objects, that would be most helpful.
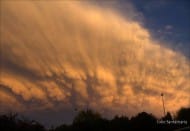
[
  {"x": 86, "y": 116},
  {"x": 184, "y": 114},
  {"x": 168, "y": 116},
  {"x": 143, "y": 121},
  {"x": 89, "y": 120},
  {"x": 10, "y": 122},
  {"x": 120, "y": 123}
]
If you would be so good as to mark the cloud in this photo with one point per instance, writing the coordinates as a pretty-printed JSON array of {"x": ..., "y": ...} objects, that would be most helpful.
[
  {"x": 58, "y": 55},
  {"x": 168, "y": 27}
]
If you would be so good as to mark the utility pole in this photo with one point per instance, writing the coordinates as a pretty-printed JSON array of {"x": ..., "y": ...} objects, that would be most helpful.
[{"x": 162, "y": 95}]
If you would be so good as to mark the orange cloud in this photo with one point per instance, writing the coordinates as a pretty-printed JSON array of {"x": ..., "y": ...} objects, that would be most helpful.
[{"x": 60, "y": 54}]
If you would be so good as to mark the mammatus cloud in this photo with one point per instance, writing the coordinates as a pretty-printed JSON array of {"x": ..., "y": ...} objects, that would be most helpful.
[{"x": 57, "y": 55}]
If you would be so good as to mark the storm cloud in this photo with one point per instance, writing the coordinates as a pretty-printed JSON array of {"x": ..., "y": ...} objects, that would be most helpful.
[{"x": 59, "y": 55}]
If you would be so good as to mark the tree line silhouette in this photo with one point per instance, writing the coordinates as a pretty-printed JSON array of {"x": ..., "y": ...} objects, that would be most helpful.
[{"x": 89, "y": 120}]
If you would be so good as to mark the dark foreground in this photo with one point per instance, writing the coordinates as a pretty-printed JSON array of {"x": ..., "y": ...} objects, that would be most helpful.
[{"x": 89, "y": 120}]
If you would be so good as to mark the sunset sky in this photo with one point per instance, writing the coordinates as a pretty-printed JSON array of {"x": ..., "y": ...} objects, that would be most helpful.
[{"x": 115, "y": 57}]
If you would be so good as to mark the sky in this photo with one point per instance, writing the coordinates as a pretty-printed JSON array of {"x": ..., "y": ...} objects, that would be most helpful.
[
  {"x": 168, "y": 21},
  {"x": 115, "y": 57}
]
